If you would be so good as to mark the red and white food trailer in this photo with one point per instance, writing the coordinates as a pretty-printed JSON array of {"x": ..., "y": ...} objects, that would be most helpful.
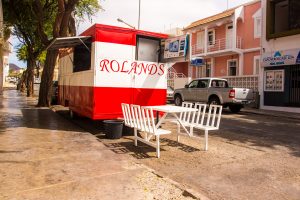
[{"x": 108, "y": 65}]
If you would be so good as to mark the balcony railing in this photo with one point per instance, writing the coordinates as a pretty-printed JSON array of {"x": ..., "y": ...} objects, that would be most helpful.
[{"x": 219, "y": 45}]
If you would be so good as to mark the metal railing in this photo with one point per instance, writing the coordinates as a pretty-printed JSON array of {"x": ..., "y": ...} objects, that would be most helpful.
[
  {"x": 218, "y": 45},
  {"x": 172, "y": 74},
  {"x": 249, "y": 81}
]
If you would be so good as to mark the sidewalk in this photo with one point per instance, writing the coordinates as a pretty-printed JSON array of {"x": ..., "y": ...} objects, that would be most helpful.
[
  {"x": 287, "y": 115},
  {"x": 44, "y": 156}
]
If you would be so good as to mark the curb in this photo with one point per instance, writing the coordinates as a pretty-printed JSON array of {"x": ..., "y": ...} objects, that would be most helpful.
[{"x": 272, "y": 114}]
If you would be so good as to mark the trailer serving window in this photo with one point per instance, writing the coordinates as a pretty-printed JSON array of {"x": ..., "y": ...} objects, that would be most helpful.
[
  {"x": 82, "y": 56},
  {"x": 148, "y": 49},
  {"x": 82, "y": 50}
]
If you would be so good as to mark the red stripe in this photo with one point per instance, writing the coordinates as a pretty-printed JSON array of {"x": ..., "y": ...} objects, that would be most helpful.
[
  {"x": 118, "y": 35},
  {"x": 104, "y": 102}
]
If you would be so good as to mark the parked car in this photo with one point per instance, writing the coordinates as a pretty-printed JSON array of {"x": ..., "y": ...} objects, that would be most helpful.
[
  {"x": 54, "y": 99},
  {"x": 214, "y": 91},
  {"x": 170, "y": 92}
]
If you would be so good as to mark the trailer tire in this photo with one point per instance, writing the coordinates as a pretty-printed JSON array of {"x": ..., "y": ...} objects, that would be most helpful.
[
  {"x": 235, "y": 108},
  {"x": 178, "y": 100}
]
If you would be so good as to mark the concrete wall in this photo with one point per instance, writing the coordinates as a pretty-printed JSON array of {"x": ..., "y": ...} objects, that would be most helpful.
[
  {"x": 220, "y": 68},
  {"x": 245, "y": 29},
  {"x": 249, "y": 62}
]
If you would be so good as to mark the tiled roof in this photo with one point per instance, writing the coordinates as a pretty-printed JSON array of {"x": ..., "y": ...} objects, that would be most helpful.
[{"x": 206, "y": 20}]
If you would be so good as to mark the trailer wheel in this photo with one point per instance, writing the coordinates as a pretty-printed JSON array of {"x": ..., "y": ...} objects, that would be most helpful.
[
  {"x": 178, "y": 100},
  {"x": 235, "y": 108},
  {"x": 73, "y": 115}
]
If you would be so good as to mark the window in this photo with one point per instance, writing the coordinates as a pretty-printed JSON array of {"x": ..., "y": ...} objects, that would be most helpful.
[
  {"x": 148, "y": 49},
  {"x": 257, "y": 27},
  {"x": 274, "y": 80},
  {"x": 211, "y": 37},
  {"x": 257, "y": 23},
  {"x": 202, "y": 83},
  {"x": 82, "y": 57},
  {"x": 283, "y": 18},
  {"x": 232, "y": 65},
  {"x": 208, "y": 69},
  {"x": 193, "y": 84},
  {"x": 200, "y": 40},
  {"x": 256, "y": 65},
  {"x": 219, "y": 84}
]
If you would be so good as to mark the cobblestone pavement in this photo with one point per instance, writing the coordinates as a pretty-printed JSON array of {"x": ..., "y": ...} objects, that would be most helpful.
[
  {"x": 44, "y": 156},
  {"x": 251, "y": 157}
]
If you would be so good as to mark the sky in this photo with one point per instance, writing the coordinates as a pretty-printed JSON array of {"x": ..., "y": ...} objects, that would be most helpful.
[{"x": 156, "y": 15}]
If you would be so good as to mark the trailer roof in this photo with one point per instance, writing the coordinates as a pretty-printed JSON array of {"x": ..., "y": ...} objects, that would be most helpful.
[
  {"x": 66, "y": 42},
  {"x": 91, "y": 31}
]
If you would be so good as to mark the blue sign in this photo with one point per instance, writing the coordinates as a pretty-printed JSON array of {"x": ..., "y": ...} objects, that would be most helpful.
[{"x": 197, "y": 62}]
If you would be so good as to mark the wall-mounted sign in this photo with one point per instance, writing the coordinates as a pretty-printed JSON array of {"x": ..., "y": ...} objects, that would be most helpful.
[
  {"x": 286, "y": 57},
  {"x": 274, "y": 80},
  {"x": 197, "y": 61},
  {"x": 175, "y": 47}
]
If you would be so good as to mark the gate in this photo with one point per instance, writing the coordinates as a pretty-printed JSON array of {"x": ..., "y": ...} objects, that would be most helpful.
[{"x": 294, "y": 97}]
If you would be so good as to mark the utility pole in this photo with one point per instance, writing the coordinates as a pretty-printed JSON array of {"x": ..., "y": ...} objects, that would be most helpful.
[
  {"x": 227, "y": 4},
  {"x": 139, "y": 17}
]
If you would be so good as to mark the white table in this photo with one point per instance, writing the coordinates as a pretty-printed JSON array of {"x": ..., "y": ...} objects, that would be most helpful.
[{"x": 172, "y": 110}]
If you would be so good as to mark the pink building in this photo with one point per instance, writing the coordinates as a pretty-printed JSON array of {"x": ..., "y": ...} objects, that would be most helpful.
[{"x": 229, "y": 44}]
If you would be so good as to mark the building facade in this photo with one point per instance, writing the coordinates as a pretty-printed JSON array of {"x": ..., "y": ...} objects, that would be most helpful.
[
  {"x": 228, "y": 45},
  {"x": 280, "y": 74}
]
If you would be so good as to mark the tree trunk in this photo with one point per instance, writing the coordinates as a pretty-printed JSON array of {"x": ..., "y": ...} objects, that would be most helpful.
[
  {"x": 47, "y": 78},
  {"x": 22, "y": 83},
  {"x": 30, "y": 76}
]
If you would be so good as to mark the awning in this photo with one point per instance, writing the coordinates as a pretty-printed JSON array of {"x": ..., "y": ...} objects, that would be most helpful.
[{"x": 67, "y": 42}]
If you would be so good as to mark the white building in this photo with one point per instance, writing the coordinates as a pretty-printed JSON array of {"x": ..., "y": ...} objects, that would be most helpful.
[{"x": 280, "y": 72}]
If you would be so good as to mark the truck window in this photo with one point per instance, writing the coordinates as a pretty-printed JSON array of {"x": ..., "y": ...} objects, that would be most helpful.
[
  {"x": 219, "y": 84},
  {"x": 148, "y": 49},
  {"x": 82, "y": 57},
  {"x": 203, "y": 84},
  {"x": 193, "y": 84}
]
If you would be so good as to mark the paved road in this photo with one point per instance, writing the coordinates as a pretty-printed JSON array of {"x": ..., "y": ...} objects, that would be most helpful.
[
  {"x": 250, "y": 157},
  {"x": 44, "y": 156}
]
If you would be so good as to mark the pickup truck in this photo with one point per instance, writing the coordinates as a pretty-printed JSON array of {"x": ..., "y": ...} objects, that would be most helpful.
[{"x": 214, "y": 91}]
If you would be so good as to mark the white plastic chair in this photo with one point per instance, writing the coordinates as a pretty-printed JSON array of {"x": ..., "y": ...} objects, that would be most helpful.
[
  {"x": 136, "y": 121},
  {"x": 209, "y": 123},
  {"x": 150, "y": 129},
  {"x": 127, "y": 115}
]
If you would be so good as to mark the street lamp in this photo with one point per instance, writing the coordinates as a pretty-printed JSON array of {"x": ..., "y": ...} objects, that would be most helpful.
[
  {"x": 139, "y": 17},
  {"x": 120, "y": 20}
]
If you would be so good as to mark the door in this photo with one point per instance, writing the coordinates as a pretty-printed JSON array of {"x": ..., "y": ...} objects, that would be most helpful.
[
  {"x": 294, "y": 93},
  {"x": 200, "y": 42},
  {"x": 188, "y": 93},
  {"x": 229, "y": 36},
  {"x": 200, "y": 94}
]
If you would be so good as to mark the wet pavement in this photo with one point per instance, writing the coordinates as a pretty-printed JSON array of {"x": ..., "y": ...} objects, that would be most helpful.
[{"x": 45, "y": 156}]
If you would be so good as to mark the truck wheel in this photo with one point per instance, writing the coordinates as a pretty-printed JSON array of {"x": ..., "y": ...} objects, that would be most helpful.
[
  {"x": 235, "y": 108},
  {"x": 214, "y": 101},
  {"x": 178, "y": 100}
]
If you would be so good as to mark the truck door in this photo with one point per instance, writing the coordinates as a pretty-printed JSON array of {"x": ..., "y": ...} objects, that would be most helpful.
[
  {"x": 189, "y": 93},
  {"x": 200, "y": 94}
]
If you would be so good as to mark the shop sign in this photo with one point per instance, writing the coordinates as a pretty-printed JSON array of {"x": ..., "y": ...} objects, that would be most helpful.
[
  {"x": 175, "y": 47},
  {"x": 274, "y": 81},
  {"x": 286, "y": 57}
]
